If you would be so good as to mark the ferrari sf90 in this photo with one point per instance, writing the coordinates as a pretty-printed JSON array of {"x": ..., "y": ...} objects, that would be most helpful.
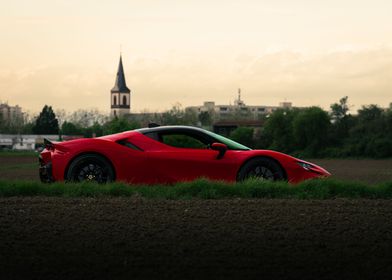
[{"x": 167, "y": 154}]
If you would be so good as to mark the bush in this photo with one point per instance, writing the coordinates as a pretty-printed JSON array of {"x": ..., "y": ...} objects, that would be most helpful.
[{"x": 243, "y": 135}]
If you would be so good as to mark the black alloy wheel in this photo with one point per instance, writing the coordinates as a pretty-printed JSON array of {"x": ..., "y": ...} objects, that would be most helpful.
[
  {"x": 261, "y": 168},
  {"x": 90, "y": 168}
]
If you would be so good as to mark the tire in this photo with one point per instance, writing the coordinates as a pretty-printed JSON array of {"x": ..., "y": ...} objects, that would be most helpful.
[
  {"x": 90, "y": 168},
  {"x": 261, "y": 168}
]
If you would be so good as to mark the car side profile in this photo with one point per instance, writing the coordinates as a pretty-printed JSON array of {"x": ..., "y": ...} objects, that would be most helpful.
[{"x": 167, "y": 154}]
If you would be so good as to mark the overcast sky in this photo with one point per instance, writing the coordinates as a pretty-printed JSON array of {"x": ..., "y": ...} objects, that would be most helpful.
[{"x": 311, "y": 52}]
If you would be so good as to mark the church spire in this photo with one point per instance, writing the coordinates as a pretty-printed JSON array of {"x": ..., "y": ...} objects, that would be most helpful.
[
  {"x": 120, "y": 85},
  {"x": 120, "y": 94}
]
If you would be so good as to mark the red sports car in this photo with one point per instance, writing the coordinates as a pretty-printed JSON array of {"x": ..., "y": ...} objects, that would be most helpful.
[{"x": 167, "y": 154}]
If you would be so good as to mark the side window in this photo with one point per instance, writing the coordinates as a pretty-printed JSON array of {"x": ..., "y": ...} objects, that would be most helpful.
[
  {"x": 153, "y": 135},
  {"x": 183, "y": 141}
]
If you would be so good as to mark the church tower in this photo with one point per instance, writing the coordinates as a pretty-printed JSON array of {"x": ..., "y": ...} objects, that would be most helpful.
[{"x": 120, "y": 95}]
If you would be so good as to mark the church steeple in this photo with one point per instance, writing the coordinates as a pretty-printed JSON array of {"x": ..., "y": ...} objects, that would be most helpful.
[
  {"x": 120, "y": 85},
  {"x": 120, "y": 94}
]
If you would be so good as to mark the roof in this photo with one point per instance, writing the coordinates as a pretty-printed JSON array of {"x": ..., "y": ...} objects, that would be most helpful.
[
  {"x": 120, "y": 85},
  {"x": 169, "y": 128},
  {"x": 126, "y": 134}
]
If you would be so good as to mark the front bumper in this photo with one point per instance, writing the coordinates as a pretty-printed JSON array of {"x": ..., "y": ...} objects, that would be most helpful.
[{"x": 45, "y": 172}]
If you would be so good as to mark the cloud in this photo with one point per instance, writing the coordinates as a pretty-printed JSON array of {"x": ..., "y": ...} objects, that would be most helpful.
[{"x": 157, "y": 84}]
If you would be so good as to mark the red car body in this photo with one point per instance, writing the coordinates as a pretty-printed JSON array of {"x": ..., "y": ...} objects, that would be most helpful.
[{"x": 139, "y": 157}]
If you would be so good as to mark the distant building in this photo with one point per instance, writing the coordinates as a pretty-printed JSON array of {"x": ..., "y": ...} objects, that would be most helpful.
[
  {"x": 238, "y": 110},
  {"x": 11, "y": 114},
  {"x": 120, "y": 95}
]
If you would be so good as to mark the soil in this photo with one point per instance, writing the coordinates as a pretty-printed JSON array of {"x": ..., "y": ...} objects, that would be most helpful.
[{"x": 134, "y": 238}]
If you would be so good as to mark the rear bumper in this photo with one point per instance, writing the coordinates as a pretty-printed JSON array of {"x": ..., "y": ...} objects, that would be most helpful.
[{"x": 45, "y": 172}]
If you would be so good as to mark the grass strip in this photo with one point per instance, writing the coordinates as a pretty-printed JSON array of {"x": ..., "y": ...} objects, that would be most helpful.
[{"x": 203, "y": 189}]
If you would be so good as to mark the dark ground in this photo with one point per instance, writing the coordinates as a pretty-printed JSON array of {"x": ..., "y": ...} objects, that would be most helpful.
[{"x": 133, "y": 238}]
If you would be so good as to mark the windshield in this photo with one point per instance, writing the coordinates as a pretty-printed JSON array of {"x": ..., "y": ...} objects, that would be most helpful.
[{"x": 231, "y": 145}]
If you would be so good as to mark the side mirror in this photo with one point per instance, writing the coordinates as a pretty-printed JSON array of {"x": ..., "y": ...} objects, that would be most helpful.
[{"x": 221, "y": 148}]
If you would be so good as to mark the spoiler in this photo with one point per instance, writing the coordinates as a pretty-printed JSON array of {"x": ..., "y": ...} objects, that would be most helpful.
[
  {"x": 51, "y": 146},
  {"x": 48, "y": 144}
]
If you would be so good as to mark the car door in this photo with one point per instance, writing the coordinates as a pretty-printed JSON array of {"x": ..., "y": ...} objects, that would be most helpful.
[{"x": 188, "y": 157}]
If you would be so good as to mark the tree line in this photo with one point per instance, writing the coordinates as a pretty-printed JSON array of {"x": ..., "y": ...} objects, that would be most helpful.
[
  {"x": 306, "y": 132},
  {"x": 313, "y": 132}
]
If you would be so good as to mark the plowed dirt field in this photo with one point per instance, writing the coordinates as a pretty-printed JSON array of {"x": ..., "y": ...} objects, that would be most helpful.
[{"x": 133, "y": 238}]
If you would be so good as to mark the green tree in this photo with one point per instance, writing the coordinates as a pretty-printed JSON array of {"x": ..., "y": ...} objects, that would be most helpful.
[
  {"x": 28, "y": 128},
  {"x": 178, "y": 116},
  {"x": 388, "y": 120},
  {"x": 372, "y": 134},
  {"x": 278, "y": 130},
  {"x": 174, "y": 116},
  {"x": 2, "y": 124},
  {"x": 243, "y": 135},
  {"x": 310, "y": 130},
  {"x": 369, "y": 113},
  {"x": 97, "y": 129},
  {"x": 341, "y": 122},
  {"x": 339, "y": 110},
  {"x": 118, "y": 125},
  {"x": 46, "y": 122},
  {"x": 69, "y": 128}
]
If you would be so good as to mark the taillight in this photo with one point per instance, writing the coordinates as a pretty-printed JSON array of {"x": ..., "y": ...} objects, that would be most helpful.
[{"x": 45, "y": 157}]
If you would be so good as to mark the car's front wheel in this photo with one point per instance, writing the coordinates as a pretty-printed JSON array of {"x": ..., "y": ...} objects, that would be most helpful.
[
  {"x": 261, "y": 168},
  {"x": 90, "y": 168}
]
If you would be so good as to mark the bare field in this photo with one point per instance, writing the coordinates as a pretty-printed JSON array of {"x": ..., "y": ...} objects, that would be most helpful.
[
  {"x": 369, "y": 171},
  {"x": 362, "y": 170},
  {"x": 133, "y": 238},
  {"x": 19, "y": 168}
]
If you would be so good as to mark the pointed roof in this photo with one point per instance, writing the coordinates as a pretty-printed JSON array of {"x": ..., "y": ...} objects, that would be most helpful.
[{"x": 120, "y": 85}]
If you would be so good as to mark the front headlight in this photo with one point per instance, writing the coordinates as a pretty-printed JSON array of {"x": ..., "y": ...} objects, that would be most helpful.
[{"x": 305, "y": 165}]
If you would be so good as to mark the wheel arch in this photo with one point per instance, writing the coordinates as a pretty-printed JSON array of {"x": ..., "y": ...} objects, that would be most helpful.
[
  {"x": 262, "y": 156},
  {"x": 89, "y": 153}
]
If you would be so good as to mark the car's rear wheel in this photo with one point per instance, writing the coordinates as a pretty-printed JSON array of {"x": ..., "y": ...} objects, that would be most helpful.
[
  {"x": 90, "y": 168},
  {"x": 261, "y": 168}
]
